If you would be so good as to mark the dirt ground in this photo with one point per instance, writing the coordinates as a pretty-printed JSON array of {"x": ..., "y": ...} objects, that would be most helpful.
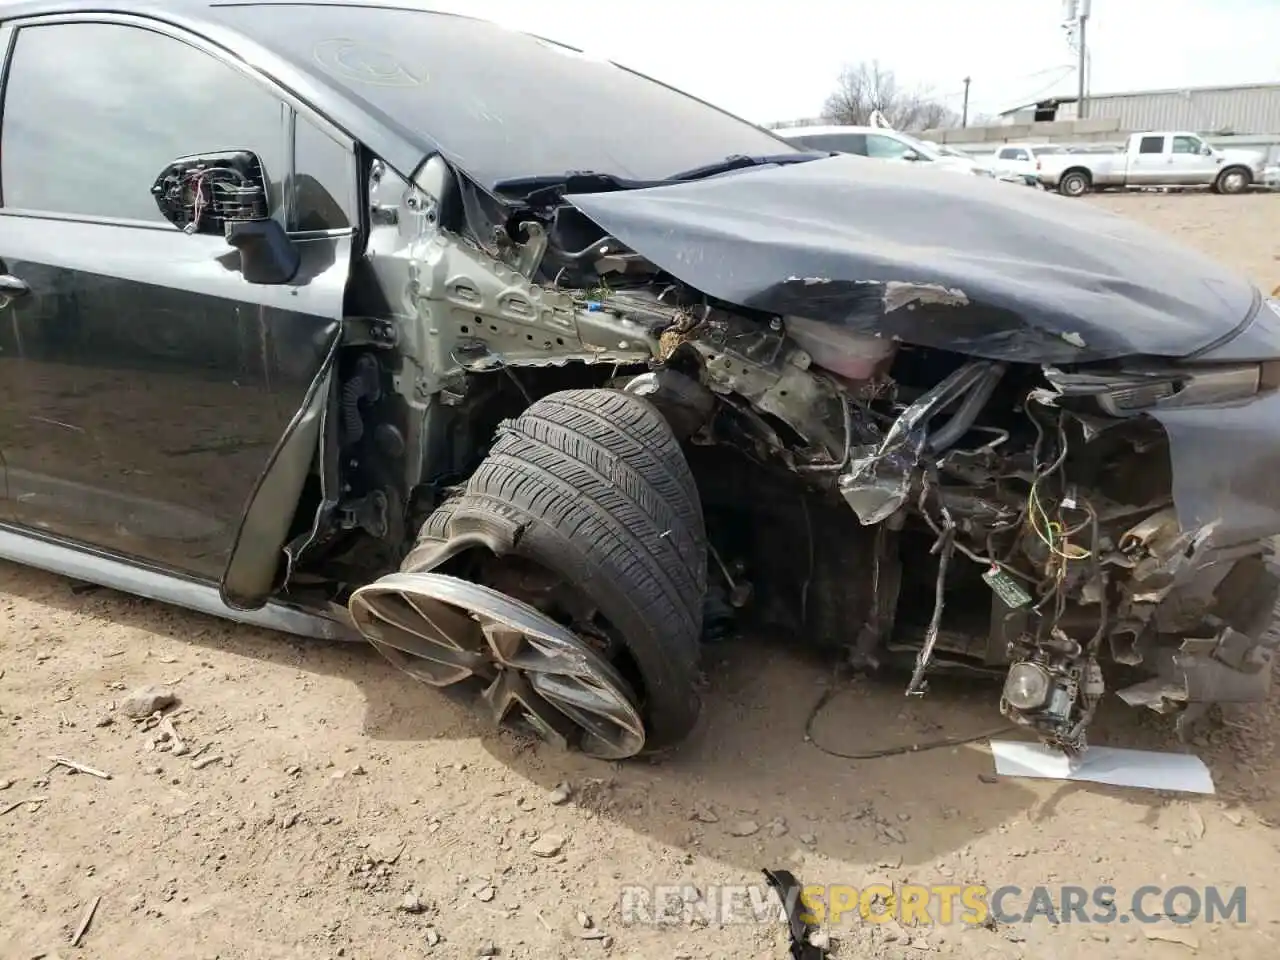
[{"x": 349, "y": 812}]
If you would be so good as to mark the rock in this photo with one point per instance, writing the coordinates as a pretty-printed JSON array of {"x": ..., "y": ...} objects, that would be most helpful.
[
  {"x": 820, "y": 939},
  {"x": 808, "y": 838},
  {"x": 547, "y": 845},
  {"x": 584, "y": 921},
  {"x": 358, "y": 771},
  {"x": 413, "y": 903},
  {"x": 705, "y": 815},
  {"x": 484, "y": 893},
  {"x": 6, "y": 783},
  {"x": 988, "y": 778},
  {"x": 1195, "y": 823},
  {"x": 487, "y": 949},
  {"x": 104, "y": 721},
  {"x": 894, "y": 834},
  {"x": 560, "y": 795},
  {"x": 433, "y": 936},
  {"x": 145, "y": 701},
  {"x": 385, "y": 848},
  {"x": 777, "y": 827},
  {"x": 1233, "y": 817},
  {"x": 743, "y": 828}
]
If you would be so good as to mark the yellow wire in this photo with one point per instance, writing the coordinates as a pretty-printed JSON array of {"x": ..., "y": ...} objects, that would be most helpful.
[{"x": 1052, "y": 527}]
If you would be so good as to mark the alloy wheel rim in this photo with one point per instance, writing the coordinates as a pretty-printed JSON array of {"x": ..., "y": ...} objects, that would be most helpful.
[{"x": 443, "y": 631}]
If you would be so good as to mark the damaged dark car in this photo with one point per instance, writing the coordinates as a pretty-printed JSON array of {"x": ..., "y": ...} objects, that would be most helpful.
[{"x": 363, "y": 322}]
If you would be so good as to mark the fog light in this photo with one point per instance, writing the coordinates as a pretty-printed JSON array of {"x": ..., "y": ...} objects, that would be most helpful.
[{"x": 1027, "y": 686}]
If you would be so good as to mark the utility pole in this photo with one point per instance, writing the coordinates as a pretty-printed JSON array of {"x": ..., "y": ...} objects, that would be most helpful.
[
  {"x": 1082, "y": 19},
  {"x": 964, "y": 113}
]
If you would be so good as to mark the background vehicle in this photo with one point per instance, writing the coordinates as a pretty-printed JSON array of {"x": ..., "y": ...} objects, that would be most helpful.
[
  {"x": 1154, "y": 160},
  {"x": 880, "y": 144},
  {"x": 1022, "y": 157},
  {"x": 331, "y": 351}
]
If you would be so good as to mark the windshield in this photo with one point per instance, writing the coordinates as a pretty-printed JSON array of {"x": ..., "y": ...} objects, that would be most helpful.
[{"x": 503, "y": 104}]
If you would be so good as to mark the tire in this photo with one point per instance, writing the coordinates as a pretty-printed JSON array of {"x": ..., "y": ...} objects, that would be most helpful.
[
  {"x": 1076, "y": 183},
  {"x": 607, "y": 501},
  {"x": 1233, "y": 180}
]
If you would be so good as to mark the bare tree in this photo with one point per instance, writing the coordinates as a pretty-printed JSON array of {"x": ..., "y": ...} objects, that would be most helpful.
[{"x": 866, "y": 87}]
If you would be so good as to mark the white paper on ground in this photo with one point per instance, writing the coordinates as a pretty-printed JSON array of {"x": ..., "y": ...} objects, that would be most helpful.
[{"x": 1111, "y": 765}]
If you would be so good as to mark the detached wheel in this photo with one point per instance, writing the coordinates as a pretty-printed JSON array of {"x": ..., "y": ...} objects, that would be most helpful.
[
  {"x": 586, "y": 513},
  {"x": 1233, "y": 180},
  {"x": 1075, "y": 184}
]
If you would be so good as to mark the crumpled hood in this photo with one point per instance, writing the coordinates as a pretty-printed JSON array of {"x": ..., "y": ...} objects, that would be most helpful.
[{"x": 933, "y": 259}]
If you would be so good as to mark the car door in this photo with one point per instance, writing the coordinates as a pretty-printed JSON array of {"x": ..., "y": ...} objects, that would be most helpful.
[
  {"x": 147, "y": 383},
  {"x": 1150, "y": 163},
  {"x": 1188, "y": 163}
]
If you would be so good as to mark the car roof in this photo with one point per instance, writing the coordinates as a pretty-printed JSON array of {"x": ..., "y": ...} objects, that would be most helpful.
[{"x": 788, "y": 132}]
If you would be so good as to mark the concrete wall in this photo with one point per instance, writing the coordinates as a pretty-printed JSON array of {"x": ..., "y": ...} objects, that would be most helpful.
[{"x": 1054, "y": 131}]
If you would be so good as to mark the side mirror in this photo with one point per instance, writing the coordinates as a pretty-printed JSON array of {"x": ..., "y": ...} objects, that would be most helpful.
[
  {"x": 226, "y": 193},
  {"x": 1206, "y": 150},
  {"x": 267, "y": 255},
  {"x": 911, "y": 155}
]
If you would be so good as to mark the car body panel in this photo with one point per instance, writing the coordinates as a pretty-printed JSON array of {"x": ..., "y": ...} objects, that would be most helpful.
[
  {"x": 1015, "y": 274},
  {"x": 210, "y": 369}
]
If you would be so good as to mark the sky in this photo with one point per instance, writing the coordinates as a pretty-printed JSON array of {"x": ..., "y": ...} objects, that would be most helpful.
[{"x": 769, "y": 61}]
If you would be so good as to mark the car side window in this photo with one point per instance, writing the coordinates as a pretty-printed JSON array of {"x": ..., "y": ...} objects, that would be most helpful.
[
  {"x": 94, "y": 111},
  {"x": 324, "y": 180},
  {"x": 1006, "y": 154},
  {"x": 1186, "y": 144},
  {"x": 1151, "y": 145},
  {"x": 838, "y": 142},
  {"x": 1020, "y": 155},
  {"x": 885, "y": 148}
]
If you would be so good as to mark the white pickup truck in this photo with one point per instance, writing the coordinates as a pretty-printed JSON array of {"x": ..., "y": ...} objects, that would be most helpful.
[{"x": 1157, "y": 159}]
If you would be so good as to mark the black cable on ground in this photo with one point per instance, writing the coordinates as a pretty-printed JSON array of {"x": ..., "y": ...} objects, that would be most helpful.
[{"x": 829, "y": 693}]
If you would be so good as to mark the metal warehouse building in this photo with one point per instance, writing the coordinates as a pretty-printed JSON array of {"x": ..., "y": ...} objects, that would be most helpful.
[{"x": 1251, "y": 109}]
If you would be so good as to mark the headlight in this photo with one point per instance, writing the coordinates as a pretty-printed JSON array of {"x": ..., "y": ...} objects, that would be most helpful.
[{"x": 1027, "y": 686}]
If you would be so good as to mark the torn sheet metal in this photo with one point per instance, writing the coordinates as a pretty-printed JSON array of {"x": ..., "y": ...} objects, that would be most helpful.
[
  {"x": 1226, "y": 461},
  {"x": 1145, "y": 769},
  {"x": 1043, "y": 279}
]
